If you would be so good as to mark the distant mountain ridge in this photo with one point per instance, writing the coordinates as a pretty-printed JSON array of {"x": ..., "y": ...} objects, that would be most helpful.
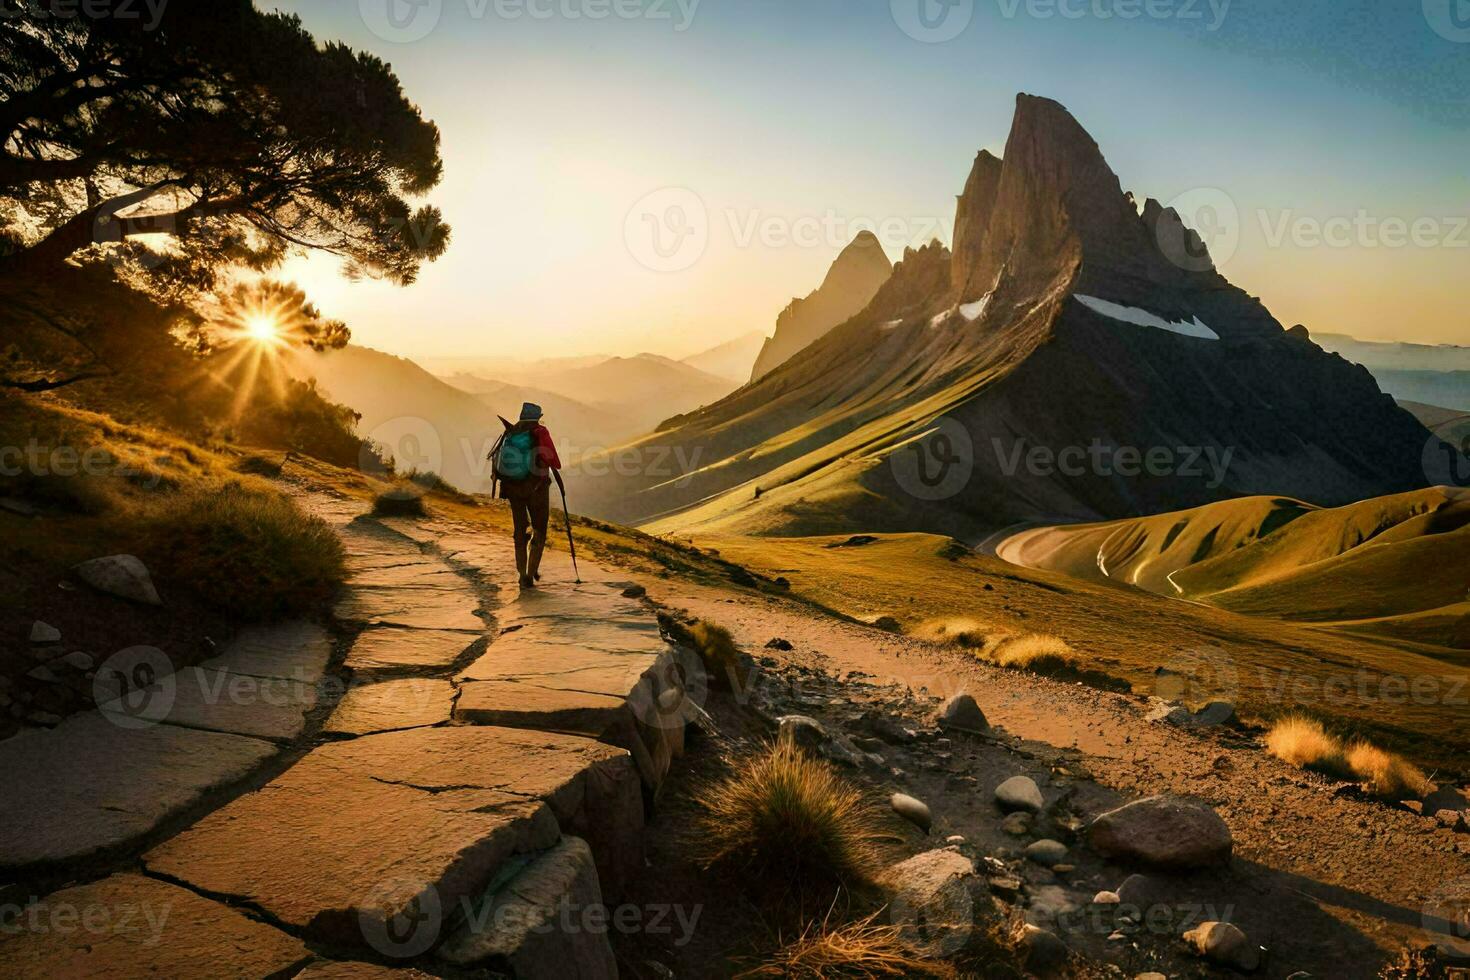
[
  {"x": 850, "y": 283},
  {"x": 733, "y": 360},
  {"x": 1066, "y": 317}
]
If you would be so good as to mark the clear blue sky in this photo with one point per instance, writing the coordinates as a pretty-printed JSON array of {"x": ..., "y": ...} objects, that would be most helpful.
[{"x": 815, "y": 117}]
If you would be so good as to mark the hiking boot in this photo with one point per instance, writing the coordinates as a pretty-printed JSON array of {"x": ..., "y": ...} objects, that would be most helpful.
[{"x": 527, "y": 582}]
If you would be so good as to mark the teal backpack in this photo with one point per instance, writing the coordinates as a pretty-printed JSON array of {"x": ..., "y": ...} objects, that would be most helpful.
[{"x": 516, "y": 458}]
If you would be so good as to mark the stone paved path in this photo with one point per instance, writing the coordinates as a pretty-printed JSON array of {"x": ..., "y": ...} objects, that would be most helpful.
[{"x": 312, "y": 804}]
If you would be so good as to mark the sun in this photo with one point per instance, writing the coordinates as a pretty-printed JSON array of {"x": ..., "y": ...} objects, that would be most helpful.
[{"x": 263, "y": 329}]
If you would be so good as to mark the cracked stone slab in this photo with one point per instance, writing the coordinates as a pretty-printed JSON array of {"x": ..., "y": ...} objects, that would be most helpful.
[
  {"x": 224, "y": 701},
  {"x": 520, "y": 925},
  {"x": 392, "y": 705},
  {"x": 298, "y": 651},
  {"x": 431, "y": 814},
  {"x": 420, "y": 575},
  {"x": 419, "y": 608},
  {"x": 130, "y": 927},
  {"x": 397, "y": 647},
  {"x": 634, "y": 700},
  {"x": 91, "y": 784}
]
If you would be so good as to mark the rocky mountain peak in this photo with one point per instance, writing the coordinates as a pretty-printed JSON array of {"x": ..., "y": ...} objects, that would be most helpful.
[
  {"x": 972, "y": 218},
  {"x": 860, "y": 269}
]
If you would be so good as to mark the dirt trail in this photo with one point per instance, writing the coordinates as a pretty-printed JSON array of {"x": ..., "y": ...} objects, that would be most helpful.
[{"x": 1340, "y": 880}]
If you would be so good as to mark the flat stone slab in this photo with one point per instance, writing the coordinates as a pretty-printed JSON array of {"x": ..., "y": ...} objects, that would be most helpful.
[
  {"x": 401, "y": 648},
  {"x": 360, "y": 832},
  {"x": 523, "y": 656},
  {"x": 442, "y": 609},
  {"x": 517, "y": 705},
  {"x": 295, "y": 651},
  {"x": 91, "y": 784},
  {"x": 416, "y": 702},
  {"x": 223, "y": 701},
  {"x": 129, "y": 927}
]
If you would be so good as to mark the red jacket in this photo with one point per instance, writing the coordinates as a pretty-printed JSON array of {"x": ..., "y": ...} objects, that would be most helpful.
[{"x": 546, "y": 457}]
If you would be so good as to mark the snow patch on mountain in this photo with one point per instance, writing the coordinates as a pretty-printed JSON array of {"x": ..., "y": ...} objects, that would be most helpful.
[{"x": 1143, "y": 318}]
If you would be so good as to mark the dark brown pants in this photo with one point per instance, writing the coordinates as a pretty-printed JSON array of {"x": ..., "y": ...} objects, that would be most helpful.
[{"x": 530, "y": 510}]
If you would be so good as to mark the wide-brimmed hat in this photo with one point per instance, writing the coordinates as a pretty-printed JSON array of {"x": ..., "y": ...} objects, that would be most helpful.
[{"x": 530, "y": 412}]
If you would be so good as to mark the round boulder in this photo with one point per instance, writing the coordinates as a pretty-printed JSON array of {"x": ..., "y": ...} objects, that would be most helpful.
[
  {"x": 121, "y": 575},
  {"x": 1047, "y": 853},
  {"x": 1163, "y": 831},
  {"x": 1224, "y": 943},
  {"x": 1019, "y": 793}
]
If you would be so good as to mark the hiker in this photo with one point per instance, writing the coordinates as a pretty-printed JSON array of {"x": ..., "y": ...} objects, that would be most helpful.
[{"x": 524, "y": 459}]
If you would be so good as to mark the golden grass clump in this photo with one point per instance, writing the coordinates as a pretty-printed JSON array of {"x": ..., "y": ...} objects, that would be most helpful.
[
  {"x": 784, "y": 821},
  {"x": 861, "y": 949},
  {"x": 1387, "y": 775},
  {"x": 1306, "y": 743},
  {"x": 1034, "y": 651},
  {"x": 715, "y": 646}
]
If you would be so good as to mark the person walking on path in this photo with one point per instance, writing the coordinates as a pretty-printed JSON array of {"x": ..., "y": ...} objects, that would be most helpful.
[{"x": 525, "y": 464}]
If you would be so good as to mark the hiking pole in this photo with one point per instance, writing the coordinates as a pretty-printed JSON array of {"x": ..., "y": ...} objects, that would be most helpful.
[{"x": 568, "y": 513}]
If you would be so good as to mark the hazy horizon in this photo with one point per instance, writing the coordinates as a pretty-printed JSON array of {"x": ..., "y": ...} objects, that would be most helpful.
[{"x": 790, "y": 127}]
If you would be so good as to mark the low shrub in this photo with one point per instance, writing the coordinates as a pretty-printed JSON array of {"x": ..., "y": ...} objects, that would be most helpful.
[
  {"x": 1388, "y": 776},
  {"x": 401, "y": 501},
  {"x": 251, "y": 553},
  {"x": 783, "y": 821},
  {"x": 1304, "y": 742}
]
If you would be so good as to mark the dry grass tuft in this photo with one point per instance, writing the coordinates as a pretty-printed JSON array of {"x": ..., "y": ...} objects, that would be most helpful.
[
  {"x": 1388, "y": 776},
  {"x": 402, "y": 501},
  {"x": 1034, "y": 651},
  {"x": 715, "y": 646},
  {"x": 785, "y": 821},
  {"x": 252, "y": 553},
  {"x": 861, "y": 949},
  {"x": 1304, "y": 742}
]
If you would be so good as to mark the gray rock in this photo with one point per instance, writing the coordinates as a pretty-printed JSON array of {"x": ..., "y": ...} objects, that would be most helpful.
[
  {"x": 1224, "y": 943},
  {"x": 1444, "y": 798},
  {"x": 520, "y": 924},
  {"x": 1045, "y": 953},
  {"x": 1047, "y": 853},
  {"x": 121, "y": 575},
  {"x": 76, "y": 660},
  {"x": 1168, "y": 713},
  {"x": 933, "y": 900},
  {"x": 634, "y": 592},
  {"x": 1165, "y": 831},
  {"x": 802, "y": 731},
  {"x": 914, "y": 811},
  {"x": 1142, "y": 892},
  {"x": 1216, "y": 713},
  {"x": 1106, "y": 898},
  {"x": 44, "y": 633},
  {"x": 43, "y": 674},
  {"x": 1019, "y": 793},
  {"x": 961, "y": 713}
]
